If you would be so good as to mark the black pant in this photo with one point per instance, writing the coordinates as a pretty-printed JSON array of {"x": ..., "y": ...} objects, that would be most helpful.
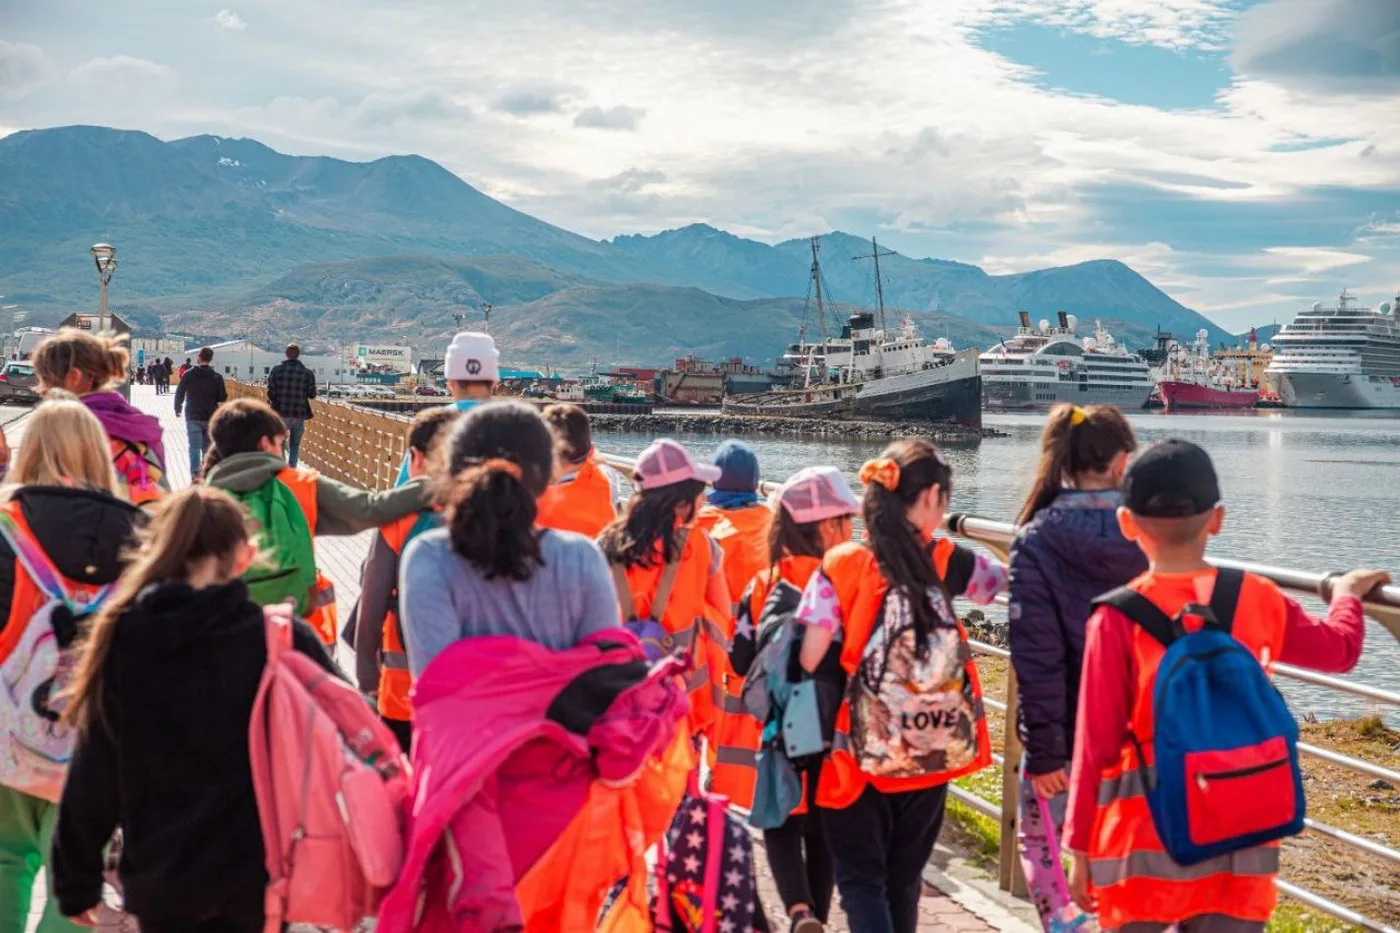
[
  {"x": 403, "y": 731},
  {"x": 248, "y": 918},
  {"x": 802, "y": 877},
  {"x": 880, "y": 845}
]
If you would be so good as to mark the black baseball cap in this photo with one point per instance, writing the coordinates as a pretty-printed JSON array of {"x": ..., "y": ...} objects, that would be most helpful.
[{"x": 1172, "y": 479}]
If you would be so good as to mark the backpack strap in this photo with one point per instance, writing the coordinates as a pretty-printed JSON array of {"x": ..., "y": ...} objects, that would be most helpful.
[
  {"x": 668, "y": 577},
  {"x": 1226, "y": 596},
  {"x": 717, "y": 810},
  {"x": 41, "y": 569},
  {"x": 624, "y": 593},
  {"x": 277, "y": 625},
  {"x": 1141, "y": 611}
]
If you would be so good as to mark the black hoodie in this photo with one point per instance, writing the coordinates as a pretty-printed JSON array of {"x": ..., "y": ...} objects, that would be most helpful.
[
  {"x": 168, "y": 762},
  {"x": 83, "y": 532}
]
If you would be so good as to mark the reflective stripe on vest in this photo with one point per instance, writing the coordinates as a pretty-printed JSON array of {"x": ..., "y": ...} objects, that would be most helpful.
[
  {"x": 1159, "y": 866},
  {"x": 1134, "y": 878},
  {"x": 395, "y": 679},
  {"x": 741, "y": 757},
  {"x": 323, "y": 617},
  {"x": 394, "y": 661}
]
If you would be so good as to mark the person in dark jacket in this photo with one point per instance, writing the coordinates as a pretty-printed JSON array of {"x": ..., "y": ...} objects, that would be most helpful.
[
  {"x": 200, "y": 393},
  {"x": 290, "y": 389},
  {"x": 161, "y": 699},
  {"x": 60, "y": 497},
  {"x": 1068, "y": 550}
]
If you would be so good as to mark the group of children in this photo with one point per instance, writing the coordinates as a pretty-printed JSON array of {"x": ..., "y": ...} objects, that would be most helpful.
[{"x": 506, "y": 525}]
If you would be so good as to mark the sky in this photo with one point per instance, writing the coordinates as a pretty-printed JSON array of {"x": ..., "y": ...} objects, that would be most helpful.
[{"x": 1244, "y": 155}]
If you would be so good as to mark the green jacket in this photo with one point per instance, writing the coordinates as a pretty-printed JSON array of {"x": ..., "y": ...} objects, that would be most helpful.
[{"x": 340, "y": 509}]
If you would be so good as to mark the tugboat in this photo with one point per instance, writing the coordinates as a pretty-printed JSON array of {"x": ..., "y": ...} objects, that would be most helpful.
[
  {"x": 869, "y": 372},
  {"x": 1194, "y": 381}
]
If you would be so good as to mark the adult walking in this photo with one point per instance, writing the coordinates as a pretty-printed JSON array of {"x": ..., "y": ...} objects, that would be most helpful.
[
  {"x": 200, "y": 393},
  {"x": 290, "y": 389}
]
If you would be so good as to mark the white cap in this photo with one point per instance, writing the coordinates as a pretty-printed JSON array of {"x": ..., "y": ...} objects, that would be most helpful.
[{"x": 472, "y": 357}]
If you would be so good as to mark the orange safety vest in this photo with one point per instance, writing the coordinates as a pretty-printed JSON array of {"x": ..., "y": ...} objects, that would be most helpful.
[
  {"x": 395, "y": 680},
  {"x": 323, "y": 617},
  {"x": 742, "y": 534},
  {"x": 583, "y": 504},
  {"x": 739, "y": 735},
  {"x": 1133, "y": 876},
  {"x": 684, "y": 609},
  {"x": 861, "y": 589}
]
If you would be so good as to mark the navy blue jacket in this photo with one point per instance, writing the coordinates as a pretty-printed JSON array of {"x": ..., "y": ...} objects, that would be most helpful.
[{"x": 1070, "y": 553}]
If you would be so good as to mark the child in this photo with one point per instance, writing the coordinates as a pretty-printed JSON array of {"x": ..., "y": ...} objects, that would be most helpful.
[
  {"x": 1171, "y": 508},
  {"x": 161, "y": 697},
  {"x": 91, "y": 367},
  {"x": 492, "y": 571},
  {"x": 813, "y": 514},
  {"x": 1067, "y": 551},
  {"x": 654, "y": 542},
  {"x": 381, "y": 661},
  {"x": 292, "y": 506},
  {"x": 58, "y": 500},
  {"x": 581, "y": 497},
  {"x": 887, "y": 600}
]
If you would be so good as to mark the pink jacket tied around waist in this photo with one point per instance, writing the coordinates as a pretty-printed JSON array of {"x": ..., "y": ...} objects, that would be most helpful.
[{"x": 509, "y": 738}]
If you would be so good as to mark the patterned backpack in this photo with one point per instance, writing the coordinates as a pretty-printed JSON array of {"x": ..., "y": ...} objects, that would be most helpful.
[
  {"x": 910, "y": 715},
  {"x": 35, "y": 748},
  {"x": 139, "y": 474},
  {"x": 706, "y": 875}
]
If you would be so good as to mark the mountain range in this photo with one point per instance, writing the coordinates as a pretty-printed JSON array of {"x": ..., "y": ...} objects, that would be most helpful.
[{"x": 227, "y": 237}]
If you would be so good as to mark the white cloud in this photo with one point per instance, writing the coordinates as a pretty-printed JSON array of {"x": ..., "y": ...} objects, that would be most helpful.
[
  {"x": 123, "y": 71},
  {"x": 1325, "y": 45},
  {"x": 227, "y": 19},
  {"x": 1311, "y": 260},
  {"x": 1173, "y": 24},
  {"x": 610, "y": 118},
  {"x": 23, "y": 68}
]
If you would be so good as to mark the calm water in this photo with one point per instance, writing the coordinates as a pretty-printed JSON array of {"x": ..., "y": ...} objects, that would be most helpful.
[{"x": 1318, "y": 492}]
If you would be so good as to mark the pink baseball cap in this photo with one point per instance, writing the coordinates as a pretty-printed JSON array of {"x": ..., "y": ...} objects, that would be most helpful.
[
  {"x": 666, "y": 463},
  {"x": 816, "y": 493}
]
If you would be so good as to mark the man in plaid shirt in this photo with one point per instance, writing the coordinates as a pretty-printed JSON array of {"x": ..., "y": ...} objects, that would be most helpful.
[{"x": 290, "y": 389}]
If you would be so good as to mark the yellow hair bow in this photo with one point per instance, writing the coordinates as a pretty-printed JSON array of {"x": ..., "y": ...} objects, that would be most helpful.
[
  {"x": 883, "y": 472},
  {"x": 1077, "y": 416}
]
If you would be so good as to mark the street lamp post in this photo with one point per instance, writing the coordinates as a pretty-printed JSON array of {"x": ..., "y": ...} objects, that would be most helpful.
[{"x": 104, "y": 256}]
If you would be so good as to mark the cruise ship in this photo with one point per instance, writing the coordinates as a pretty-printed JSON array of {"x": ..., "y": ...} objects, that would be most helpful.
[
  {"x": 1340, "y": 357},
  {"x": 1045, "y": 365}
]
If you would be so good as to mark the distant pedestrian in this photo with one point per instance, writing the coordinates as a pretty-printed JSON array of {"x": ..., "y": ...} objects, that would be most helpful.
[
  {"x": 62, "y": 537},
  {"x": 161, "y": 698},
  {"x": 290, "y": 389},
  {"x": 200, "y": 393},
  {"x": 184, "y": 367},
  {"x": 1068, "y": 551}
]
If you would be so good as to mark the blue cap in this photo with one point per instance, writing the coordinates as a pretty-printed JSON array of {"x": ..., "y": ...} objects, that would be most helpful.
[{"x": 738, "y": 466}]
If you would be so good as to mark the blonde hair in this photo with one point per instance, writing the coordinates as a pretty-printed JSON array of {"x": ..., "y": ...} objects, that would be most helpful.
[
  {"x": 103, "y": 358},
  {"x": 64, "y": 445},
  {"x": 189, "y": 526}
]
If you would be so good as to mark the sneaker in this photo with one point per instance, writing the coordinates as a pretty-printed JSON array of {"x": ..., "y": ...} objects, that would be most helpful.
[{"x": 804, "y": 921}]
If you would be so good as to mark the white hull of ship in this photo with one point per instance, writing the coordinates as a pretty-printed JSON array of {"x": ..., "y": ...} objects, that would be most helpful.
[{"x": 1337, "y": 390}]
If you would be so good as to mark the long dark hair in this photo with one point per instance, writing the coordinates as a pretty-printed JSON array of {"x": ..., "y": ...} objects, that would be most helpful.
[
  {"x": 189, "y": 526},
  {"x": 501, "y": 458},
  {"x": 650, "y": 517},
  {"x": 789, "y": 538},
  {"x": 900, "y": 549},
  {"x": 239, "y": 427},
  {"x": 1075, "y": 441}
]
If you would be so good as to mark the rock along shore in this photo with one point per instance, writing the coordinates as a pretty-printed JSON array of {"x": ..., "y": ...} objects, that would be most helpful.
[{"x": 679, "y": 422}]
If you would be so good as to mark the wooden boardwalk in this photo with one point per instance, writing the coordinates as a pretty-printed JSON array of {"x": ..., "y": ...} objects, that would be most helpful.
[{"x": 340, "y": 559}]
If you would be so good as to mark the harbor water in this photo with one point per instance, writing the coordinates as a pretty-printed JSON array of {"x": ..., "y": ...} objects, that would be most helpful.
[{"x": 1317, "y": 491}]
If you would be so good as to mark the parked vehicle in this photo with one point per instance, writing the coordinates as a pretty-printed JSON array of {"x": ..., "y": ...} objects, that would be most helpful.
[{"x": 17, "y": 382}]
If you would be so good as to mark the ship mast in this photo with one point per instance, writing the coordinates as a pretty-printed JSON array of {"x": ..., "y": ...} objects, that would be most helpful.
[
  {"x": 875, "y": 254},
  {"x": 821, "y": 311}
]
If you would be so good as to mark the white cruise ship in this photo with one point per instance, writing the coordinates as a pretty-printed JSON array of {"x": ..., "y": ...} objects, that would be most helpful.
[
  {"x": 1341, "y": 357},
  {"x": 1045, "y": 365}
]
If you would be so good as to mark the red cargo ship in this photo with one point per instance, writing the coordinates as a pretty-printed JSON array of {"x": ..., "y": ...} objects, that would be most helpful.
[{"x": 1191, "y": 396}]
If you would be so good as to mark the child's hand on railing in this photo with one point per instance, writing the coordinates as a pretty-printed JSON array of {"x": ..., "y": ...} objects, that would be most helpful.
[{"x": 1358, "y": 583}]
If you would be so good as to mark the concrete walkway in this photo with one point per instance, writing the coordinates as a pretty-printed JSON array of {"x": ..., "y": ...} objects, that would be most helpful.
[{"x": 340, "y": 558}]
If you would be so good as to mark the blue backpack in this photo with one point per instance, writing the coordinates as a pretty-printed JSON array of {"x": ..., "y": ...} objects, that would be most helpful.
[{"x": 1226, "y": 746}]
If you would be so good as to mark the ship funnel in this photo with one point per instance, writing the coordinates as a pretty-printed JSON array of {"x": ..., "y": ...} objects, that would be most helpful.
[
  {"x": 1073, "y": 323},
  {"x": 1064, "y": 320},
  {"x": 1026, "y": 319}
]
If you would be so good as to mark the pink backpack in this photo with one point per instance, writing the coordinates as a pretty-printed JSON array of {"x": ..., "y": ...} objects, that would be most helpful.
[{"x": 332, "y": 787}]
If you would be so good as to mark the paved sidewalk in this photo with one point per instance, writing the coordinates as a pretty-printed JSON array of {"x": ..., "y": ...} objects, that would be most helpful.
[{"x": 340, "y": 558}]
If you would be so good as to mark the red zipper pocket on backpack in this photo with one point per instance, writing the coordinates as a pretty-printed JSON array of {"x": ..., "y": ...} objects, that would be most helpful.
[{"x": 1239, "y": 791}]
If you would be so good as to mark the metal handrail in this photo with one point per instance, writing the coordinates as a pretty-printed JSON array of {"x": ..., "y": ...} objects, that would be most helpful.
[{"x": 1382, "y": 604}]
